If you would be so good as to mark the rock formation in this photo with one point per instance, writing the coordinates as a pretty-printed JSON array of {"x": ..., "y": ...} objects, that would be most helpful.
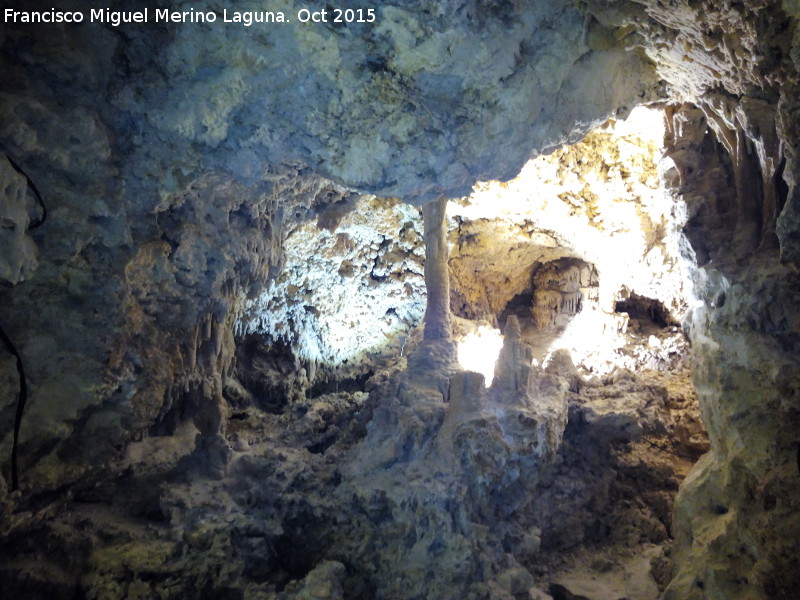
[
  {"x": 437, "y": 279},
  {"x": 228, "y": 397},
  {"x": 561, "y": 288}
]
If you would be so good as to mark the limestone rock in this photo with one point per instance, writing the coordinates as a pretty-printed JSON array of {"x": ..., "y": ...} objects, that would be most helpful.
[
  {"x": 560, "y": 290},
  {"x": 179, "y": 177},
  {"x": 348, "y": 297},
  {"x": 17, "y": 249},
  {"x": 573, "y": 209},
  {"x": 602, "y": 579},
  {"x": 322, "y": 583}
]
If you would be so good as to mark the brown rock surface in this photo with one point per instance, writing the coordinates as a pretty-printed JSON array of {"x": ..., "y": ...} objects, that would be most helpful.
[{"x": 191, "y": 434}]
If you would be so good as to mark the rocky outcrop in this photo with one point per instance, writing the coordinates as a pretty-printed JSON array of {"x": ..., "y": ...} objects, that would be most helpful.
[
  {"x": 736, "y": 513},
  {"x": 560, "y": 290},
  {"x": 744, "y": 341},
  {"x": 18, "y": 249},
  {"x": 173, "y": 178}
]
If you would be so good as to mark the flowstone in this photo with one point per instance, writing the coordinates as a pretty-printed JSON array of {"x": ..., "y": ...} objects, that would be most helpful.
[{"x": 442, "y": 457}]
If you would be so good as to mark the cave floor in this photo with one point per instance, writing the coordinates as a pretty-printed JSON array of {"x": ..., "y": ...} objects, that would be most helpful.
[{"x": 279, "y": 509}]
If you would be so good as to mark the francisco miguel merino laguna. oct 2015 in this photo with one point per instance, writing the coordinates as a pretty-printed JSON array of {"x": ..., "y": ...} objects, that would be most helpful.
[{"x": 164, "y": 15}]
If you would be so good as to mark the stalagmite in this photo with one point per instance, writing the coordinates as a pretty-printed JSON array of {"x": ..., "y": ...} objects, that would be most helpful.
[{"x": 514, "y": 363}]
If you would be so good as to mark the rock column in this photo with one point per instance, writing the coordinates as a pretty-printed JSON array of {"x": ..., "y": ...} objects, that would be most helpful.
[{"x": 437, "y": 279}]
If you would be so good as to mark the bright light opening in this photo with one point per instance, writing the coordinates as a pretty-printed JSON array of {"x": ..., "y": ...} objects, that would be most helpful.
[
  {"x": 602, "y": 201},
  {"x": 478, "y": 352}
]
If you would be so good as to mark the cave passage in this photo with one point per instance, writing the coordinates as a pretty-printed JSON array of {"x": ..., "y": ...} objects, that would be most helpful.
[
  {"x": 334, "y": 398},
  {"x": 574, "y": 240},
  {"x": 579, "y": 260},
  {"x": 480, "y": 300}
]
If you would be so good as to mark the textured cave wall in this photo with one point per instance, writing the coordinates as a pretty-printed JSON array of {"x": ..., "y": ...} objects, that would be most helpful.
[
  {"x": 171, "y": 157},
  {"x": 171, "y": 161},
  {"x": 18, "y": 250},
  {"x": 609, "y": 201},
  {"x": 578, "y": 201},
  {"x": 736, "y": 514},
  {"x": 350, "y": 293},
  {"x": 735, "y": 536}
]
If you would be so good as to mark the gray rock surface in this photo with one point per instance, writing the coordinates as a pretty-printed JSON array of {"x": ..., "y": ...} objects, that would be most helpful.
[
  {"x": 17, "y": 249},
  {"x": 174, "y": 161}
]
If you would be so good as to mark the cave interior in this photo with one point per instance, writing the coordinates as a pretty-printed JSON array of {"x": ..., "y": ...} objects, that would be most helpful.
[{"x": 480, "y": 299}]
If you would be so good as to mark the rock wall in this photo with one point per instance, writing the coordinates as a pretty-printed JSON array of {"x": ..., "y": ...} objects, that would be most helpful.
[
  {"x": 737, "y": 63},
  {"x": 18, "y": 249},
  {"x": 745, "y": 358},
  {"x": 153, "y": 161},
  {"x": 172, "y": 158},
  {"x": 350, "y": 292},
  {"x": 607, "y": 201},
  {"x": 560, "y": 290}
]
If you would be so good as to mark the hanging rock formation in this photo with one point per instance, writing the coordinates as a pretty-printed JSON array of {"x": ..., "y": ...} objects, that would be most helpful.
[{"x": 561, "y": 288}]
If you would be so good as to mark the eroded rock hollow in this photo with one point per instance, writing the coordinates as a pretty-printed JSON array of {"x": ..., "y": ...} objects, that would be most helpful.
[{"x": 464, "y": 300}]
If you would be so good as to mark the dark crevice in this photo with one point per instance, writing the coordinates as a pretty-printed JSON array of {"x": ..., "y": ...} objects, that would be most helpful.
[
  {"x": 335, "y": 386},
  {"x": 519, "y": 306},
  {"x": 32, "y": 186},
  {"x": 646, "y": 309},
  {"x": 321, "y": 446}
]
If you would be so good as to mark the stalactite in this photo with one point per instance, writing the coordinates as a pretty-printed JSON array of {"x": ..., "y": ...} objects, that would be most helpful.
[
  {"x": 437, "y": 279},
  {"x": 560, "y": 289},
  {"x": 747, "y": 130}
]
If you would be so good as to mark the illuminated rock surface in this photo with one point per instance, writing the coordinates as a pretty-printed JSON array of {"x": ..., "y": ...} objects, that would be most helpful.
[{"x": 229, "y": 396}]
